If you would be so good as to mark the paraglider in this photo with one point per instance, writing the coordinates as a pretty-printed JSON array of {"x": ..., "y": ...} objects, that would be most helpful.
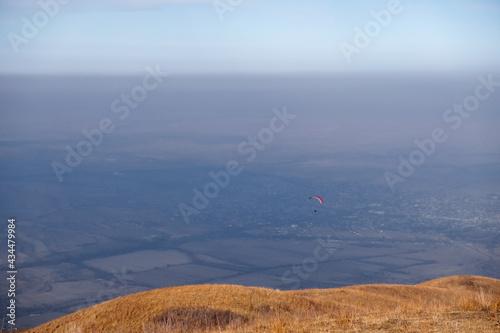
[{"x": 318, "y": 198}]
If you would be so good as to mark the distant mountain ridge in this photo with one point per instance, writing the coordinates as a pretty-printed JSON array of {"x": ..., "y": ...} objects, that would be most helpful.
[{"x": 451, "y": 304}]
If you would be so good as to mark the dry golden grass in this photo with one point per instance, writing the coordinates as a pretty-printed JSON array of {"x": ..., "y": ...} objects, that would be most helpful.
[{"x": 454, "y": 304}]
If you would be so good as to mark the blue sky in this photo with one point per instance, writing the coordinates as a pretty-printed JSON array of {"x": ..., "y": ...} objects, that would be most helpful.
[{"x": 256, "y": 36}]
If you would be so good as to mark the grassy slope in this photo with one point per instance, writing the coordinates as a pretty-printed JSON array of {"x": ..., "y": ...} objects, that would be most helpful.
[{"x": 454, "y": 304}]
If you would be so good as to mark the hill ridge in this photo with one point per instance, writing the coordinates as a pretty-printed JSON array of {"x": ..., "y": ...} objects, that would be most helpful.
[{"x": 471, "y": 302}]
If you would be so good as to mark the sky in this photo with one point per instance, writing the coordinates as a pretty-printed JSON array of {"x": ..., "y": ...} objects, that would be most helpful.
[{"x": 248, "y": 36}]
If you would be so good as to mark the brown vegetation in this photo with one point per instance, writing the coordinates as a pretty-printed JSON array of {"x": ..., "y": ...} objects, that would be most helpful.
[{"x": 454, "y": 304}]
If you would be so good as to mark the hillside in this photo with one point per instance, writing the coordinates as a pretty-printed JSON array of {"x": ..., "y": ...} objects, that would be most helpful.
[{"x": 453, "y": 304}]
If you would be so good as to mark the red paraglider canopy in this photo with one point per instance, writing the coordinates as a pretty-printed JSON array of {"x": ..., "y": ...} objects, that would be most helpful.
[{"x": 317, "y": 197}]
